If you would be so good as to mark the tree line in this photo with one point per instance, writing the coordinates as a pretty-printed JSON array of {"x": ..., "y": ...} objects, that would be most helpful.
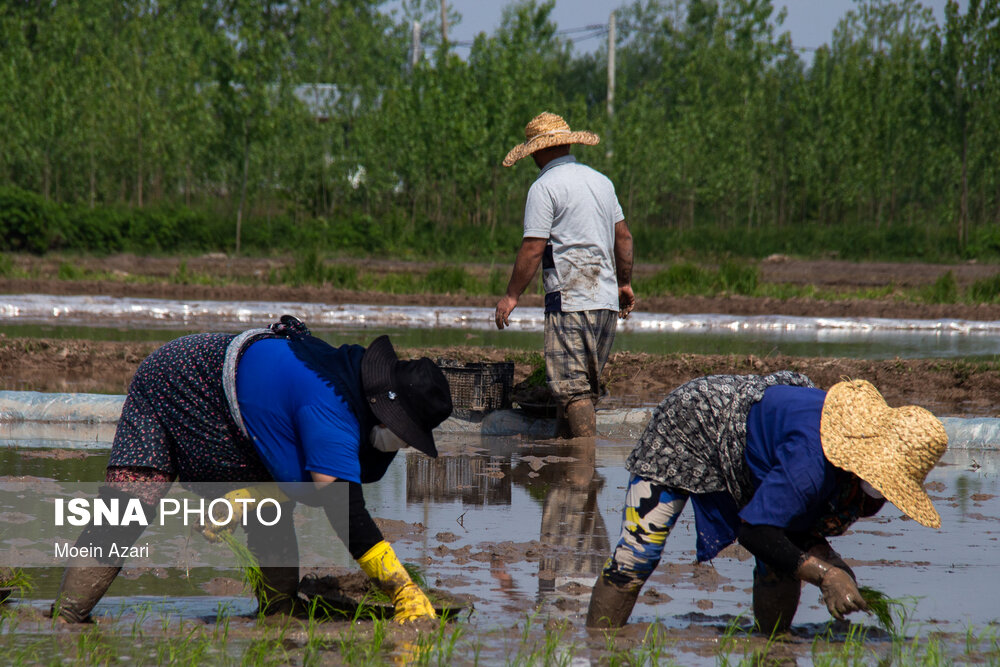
[{"x": 278, "y": 122}]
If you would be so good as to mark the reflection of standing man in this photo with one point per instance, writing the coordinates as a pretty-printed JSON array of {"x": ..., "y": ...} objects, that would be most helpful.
[
  {"x": 573, "y": 535},
  {"x": 574, "y": 226}
]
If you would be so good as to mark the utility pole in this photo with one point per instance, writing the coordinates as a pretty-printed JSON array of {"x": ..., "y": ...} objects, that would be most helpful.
[
  {"x": 611, "y": 66},
  {"x": 444, "y": 24},
  {"x": 415, "y": 45},
  {"x": 611, "y": 77}
]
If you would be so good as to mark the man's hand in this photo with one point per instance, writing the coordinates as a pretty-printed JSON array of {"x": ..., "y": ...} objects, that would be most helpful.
[
  {"x": 626, "y": 301},
  {"x": 504, "y": 307}
]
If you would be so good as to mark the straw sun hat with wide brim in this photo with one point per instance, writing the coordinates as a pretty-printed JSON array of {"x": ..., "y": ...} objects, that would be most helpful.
[
  {"x": 892, "y": 449},
  {"x": 545, "y": 131},
  {"x": 410, "y": 397}
]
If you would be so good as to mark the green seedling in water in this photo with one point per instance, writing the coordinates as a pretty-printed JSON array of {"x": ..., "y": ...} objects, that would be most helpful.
[
  {"x": 881, "y": 605},
  {"x": 249, "y": 567},
  {"x": 16, "y": 578}
]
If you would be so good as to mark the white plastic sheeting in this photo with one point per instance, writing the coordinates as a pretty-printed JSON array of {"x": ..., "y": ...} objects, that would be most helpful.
[
  {"x": 29, "y": 416},
  {"x": 104, "y": 310}
]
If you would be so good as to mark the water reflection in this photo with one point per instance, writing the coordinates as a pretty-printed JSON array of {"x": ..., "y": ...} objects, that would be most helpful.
[
  {"x": 561, "y": 476},
  {"x": 473, "y": 480},
  {"x": 569, "y": 485}
]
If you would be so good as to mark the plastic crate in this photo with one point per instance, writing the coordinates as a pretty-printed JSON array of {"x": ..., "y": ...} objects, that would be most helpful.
[{"x": 478, "y": 386}]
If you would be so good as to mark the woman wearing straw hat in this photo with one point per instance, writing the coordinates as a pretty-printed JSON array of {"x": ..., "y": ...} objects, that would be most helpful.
[
  {"x": 574, "y": 227},
  {"x": 298, "y": 411},
  {"x": 778, "y": 465}
]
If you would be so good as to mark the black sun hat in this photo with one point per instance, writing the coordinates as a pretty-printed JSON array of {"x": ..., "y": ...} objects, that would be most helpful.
[{"x": 410, "y": 397}]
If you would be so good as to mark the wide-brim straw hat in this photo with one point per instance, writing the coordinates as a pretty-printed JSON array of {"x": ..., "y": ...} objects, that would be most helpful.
[
  {"x": 892, "y": 449},
  {"x": 544, "y": 131},
  {"x": 411, "y": 397}
]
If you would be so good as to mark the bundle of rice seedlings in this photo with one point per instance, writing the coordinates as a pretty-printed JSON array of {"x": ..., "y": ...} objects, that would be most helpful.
[{"x": 881, "y": 605}]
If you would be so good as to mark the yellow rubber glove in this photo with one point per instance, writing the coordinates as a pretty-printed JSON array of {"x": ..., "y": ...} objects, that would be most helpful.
[
  {"x": 215, "y": 533},
  {"x": 382, "y": 566}
]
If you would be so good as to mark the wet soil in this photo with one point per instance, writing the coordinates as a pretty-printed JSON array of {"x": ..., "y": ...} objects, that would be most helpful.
[
  {"x": 351, "y": 592},
  {"x": 947, "y": 387},
  {"x": 162, "y": 277}
]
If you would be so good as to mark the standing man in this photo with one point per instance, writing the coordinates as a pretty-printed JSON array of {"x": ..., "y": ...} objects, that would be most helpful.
[{"x": 574, "y": 227}]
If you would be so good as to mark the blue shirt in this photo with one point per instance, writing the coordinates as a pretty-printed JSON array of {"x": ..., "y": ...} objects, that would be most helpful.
[
  {"x": 296, "y": 421},
  {"x": 792, "y": 478}
]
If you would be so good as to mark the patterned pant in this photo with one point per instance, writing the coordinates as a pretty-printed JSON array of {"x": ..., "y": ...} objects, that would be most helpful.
[
  {"x": 650, "y": 512},
  {"x": 577, "y": 346}
]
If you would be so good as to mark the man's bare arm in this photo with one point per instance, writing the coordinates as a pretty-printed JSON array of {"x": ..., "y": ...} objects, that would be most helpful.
[
  {"x": 529, "y": 256},
  {"x": 623, "y": 268}
]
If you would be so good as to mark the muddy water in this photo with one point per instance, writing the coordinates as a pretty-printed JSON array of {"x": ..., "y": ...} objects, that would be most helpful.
[
  {"x": 107, "y": 318},
  {"x": 523, "y": 527}
]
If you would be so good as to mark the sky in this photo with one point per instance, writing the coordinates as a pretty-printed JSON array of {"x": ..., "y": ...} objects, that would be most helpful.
[{"x": 811, "y": 22}]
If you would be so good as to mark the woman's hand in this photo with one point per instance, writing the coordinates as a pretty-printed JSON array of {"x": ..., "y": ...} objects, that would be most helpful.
[{"x": 841, "y": 594}]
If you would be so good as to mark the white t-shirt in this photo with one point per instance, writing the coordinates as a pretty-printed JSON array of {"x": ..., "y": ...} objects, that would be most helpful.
[{"x": 575, "y": 208}]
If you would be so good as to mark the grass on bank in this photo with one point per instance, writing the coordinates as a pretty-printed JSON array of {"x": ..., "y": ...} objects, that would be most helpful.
[{"x": 310, "y": 268}]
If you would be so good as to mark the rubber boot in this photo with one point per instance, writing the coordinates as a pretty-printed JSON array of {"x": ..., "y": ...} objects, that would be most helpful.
[
  {"x": 775, "y": 600},
  {"x": 276, "y": 549},
  {"x": 81, "y": 589},
  {"x": 610, "y": 605},
  {"x": 563, "y": 430},
  {"x": 85, "y": 580},
  {"x": 582, "y": 418}
]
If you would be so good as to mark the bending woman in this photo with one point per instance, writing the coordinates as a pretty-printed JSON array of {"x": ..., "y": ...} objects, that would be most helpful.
[
  {"x": 779, "y": 465},
  {"x": 267, "y": 405}
]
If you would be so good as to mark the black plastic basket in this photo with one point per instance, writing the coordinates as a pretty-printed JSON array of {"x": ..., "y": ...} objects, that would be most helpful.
[{"x": 478, "y": 386}]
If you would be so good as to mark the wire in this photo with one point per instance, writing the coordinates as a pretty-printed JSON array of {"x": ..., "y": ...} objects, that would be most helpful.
[{"x": 593, "y": 30}]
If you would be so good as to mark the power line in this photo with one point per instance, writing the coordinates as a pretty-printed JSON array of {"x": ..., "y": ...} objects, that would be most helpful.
[{"x": 586, "y": 32}]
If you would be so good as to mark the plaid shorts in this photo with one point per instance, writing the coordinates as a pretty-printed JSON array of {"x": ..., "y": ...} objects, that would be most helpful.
[{"x": 577, "y": 346}]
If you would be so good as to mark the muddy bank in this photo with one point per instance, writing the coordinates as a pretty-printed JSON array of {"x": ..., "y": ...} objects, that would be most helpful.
[
  {"x": 949, "y": 388},
  {"x": 246, "y": 278}
]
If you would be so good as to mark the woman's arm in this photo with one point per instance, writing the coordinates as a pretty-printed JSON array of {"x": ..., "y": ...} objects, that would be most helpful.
[
  {"x": 771, "y": 545},
  {"x": 362, "y": 532},
  {"x": 373, "y": 553}
]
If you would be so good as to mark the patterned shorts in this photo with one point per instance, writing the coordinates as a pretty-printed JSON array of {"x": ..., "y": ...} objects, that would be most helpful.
[
  {"x": 577, "y": 346},
  {"x": 176, "y": 420}
]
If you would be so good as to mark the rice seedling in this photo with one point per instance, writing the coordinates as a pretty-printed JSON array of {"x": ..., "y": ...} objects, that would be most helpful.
[
  {"x": 882, "y": 606},
  {"x": 16, "y": 579}
]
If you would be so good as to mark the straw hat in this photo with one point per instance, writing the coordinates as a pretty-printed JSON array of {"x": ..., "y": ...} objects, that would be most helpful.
[
  {"x": 544, "y": 131},
  {"x": 892, "y": 449}
]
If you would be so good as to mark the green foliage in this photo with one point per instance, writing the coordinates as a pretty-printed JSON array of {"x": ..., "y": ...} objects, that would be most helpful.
[
  {"x": 682, "y": 278},
  {"x": 69, "y": 271},
  {"x": 942, "y": 290},
  {"x": 536, "y": 377},
  {"x": 156, "y": 131},
  {"x": 16, "y": 578},
  {"x": 27, "y": 221},
  {"x": 398, "y": 283},
  {"x": 881, "y": 605},
  {"x": 309, "y": 268},
  {"x": 449, "y": 280},
  {"x": 986, "y": 290},
  {"x": 686, "y": 278},
  {"x": 738, "y": 278}
]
